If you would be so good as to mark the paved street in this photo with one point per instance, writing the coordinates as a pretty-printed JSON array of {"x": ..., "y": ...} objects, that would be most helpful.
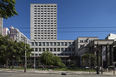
[{"x": 47, "y": 75}]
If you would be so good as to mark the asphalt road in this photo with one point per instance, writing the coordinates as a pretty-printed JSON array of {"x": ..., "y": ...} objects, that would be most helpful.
[{"x": 46, "y": 75}]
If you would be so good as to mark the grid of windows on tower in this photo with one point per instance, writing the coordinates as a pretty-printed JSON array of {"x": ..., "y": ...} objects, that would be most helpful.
[
  {"x": 45, "y": 22},
  {"x": 53, "y": 44}
]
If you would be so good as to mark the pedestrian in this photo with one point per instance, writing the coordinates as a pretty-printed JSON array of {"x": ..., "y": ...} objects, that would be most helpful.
[
  {"x": 42, "y": 67},
  {"x": 12, "y": 66}
]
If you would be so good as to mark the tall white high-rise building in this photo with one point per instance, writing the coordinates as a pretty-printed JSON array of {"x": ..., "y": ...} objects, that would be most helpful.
[
  {"x": 43, "y": 32},
  {"x": 43, "y": 18}
]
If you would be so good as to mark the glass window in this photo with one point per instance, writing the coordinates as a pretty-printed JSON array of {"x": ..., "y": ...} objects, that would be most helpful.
[
  {"x": 54, "y": 49},
  {"x": 58, "y": 49},
  {"x": 36, "y": 44},
  {"x": 39, "y": 49},
  {"x": 54, "y": 43},
  {"x": 36, "y": 49},
  {"x": 39, "y": 43},
  {"x": 58, "y": 43},
  {"x": 81, "y": 41},
  {"x": 43, "y": 43},
  {"x": 51, "y": 44},
  {"x": 62, "y": 44},
  {"x": 65, "y": 49},
  {"x": 35, "y": 54},
  {"x": 50, "y": 49},
  {"x": 47, "y": 43},
  {"x": 62, "y": 49},
  {"x": 65, "y": 43},
  {"x": 69, "y": 43},
  {"x": 43, "y": 49}
]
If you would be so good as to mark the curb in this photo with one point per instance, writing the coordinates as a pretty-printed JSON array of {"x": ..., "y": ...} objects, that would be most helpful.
[{"x": 54, "y": 72}]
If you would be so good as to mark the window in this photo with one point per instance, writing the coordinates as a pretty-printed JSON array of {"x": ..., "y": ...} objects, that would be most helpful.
[
  {"x": 54, "y": 43},
  {"x": 47, "y": 43},
  {"x": 65, "y": 43},
  {"x": 54, "y": 49},
  {"x": 69, "y": 49},
  {"x": 62, "y": 44},
  {"x": 43, "y": 49},
  {"x": 39, "y": 43},
  {"x": 35, "y": 54},
  {"x": 62, "y": 49},
  {"x": 81, "y": 41},
  {"x": 36, "y": 44},
  {"x": 58, "y": 49},
  {"x": 32, "y": 43},
  {"x": 65, "y": 49},
  {"x": 51, "y": 44},
  {"x": 90, "y": 40},
  {"x": 69, "y": 43},
  {"x": 39, "y": 49},
  {"x": 36, "y": 49},
  {"x": 58, "y": 43},
  {"x": 50, "y": 49},
  {"x": 43, "y": 43},
  {"x": 81, "y": 46}
]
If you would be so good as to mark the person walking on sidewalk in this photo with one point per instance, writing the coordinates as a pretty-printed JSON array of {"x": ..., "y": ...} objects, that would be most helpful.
[
  {"x": 43, "y": 68},
  {"x": 12, "y": 66}
]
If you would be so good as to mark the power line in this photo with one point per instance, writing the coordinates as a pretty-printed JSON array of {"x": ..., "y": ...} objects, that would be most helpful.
[
  {"x": 63, "y": 27},
  {"x": 72, "y": 31}
]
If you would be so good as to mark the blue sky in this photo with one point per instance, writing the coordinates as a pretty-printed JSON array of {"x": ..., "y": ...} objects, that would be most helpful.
[{"x": 75, "y": 18}]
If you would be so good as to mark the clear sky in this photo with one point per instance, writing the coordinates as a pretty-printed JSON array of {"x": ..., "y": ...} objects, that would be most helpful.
[{"x": 75, "y": 18}]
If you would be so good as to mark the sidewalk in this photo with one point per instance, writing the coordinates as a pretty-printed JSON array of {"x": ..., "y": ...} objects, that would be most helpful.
[{"x": 53, "y": 72}]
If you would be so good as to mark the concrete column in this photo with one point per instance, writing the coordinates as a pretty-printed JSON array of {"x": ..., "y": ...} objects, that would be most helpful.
[
  {"x": 111, "y": 55},
  {"x": 107, "y": 55},
  {"x": 101, "y": 61},
  {"x": 98, "y": 62}
]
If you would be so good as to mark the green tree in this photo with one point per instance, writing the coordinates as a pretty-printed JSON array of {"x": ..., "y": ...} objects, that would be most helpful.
[
  {"x": 10, "y": 49},
  {"x": 48, "y": 58},
  {"x": 6, "y": 48},
  {"x": 89, "y": 57},
  {"x": 20, "y": 50},
  {"x": 7, "y": 8}
]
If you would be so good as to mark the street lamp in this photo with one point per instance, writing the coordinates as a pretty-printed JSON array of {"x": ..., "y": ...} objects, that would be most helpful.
[
  {"x": 25, "y": 55},
  {"x": 34, "y": 55},
  {"x": 69, "y": 61}
]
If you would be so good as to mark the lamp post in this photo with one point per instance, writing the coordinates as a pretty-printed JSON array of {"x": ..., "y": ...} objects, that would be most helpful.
[
  {"x": 69, "y": 61},
  {"x": 34, "y": 55},
  {"x": 25, "y": 55},
  {"x": 114, "y": 67}
]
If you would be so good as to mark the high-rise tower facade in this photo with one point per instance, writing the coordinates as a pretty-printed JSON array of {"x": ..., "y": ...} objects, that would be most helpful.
[{"x": 43, "y": 20}]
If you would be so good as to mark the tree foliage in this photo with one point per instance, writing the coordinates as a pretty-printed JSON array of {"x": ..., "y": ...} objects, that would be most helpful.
[
  {"x": 89, "y": 57},
  {"x": 10, "y": 49},
  {"x": 48, "y": 58},
  {"x": 7, "y": 8}
]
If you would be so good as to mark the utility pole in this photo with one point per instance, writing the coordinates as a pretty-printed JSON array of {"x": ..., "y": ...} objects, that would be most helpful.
[
  {"x": 25, "y": 57},
  {"x": 34, "y": 55}
]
